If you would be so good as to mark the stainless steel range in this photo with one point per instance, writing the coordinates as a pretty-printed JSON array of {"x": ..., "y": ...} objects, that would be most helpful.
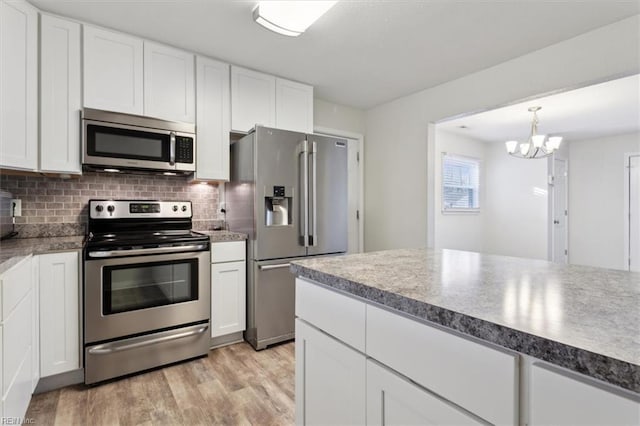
[{"x": 147, "y": 284}]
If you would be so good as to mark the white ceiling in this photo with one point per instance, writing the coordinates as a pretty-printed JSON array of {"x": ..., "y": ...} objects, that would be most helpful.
[
  {"x": 362, "y": 52},
  {"x": 600, "y": 110}
]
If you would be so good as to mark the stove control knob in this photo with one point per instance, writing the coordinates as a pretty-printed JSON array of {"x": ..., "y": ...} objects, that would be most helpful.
[
  {"x": 111, "y": 208},
  {"x": 99, "y": 208},
  {"x": 184, "y": 208},
  {"x": 175, "y": 208}
]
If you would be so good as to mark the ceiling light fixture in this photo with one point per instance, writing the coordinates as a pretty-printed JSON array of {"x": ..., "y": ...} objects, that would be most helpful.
[
  {"x": 290, "y": 18},
  {"x": 537, "y": 146}
]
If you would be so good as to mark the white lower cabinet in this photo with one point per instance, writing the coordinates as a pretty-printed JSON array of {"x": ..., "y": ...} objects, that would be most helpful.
[
  {"x": 559, "y": 397},
  {"x": 394, "y": 400},
  {"x": 228, "y": 288},
  {"x": 330, "y": 380},
  {"x": 59, "y": 313},
  {"x": 16, "y": 316}
]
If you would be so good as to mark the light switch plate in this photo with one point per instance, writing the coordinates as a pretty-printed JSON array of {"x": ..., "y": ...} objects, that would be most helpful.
[{"x": 16, "y": 207}]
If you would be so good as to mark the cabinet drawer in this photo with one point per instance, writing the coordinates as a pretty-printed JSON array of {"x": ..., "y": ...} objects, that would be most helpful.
[
  {"x": 560, "y": 397},
  {"x": 476, "y": 377},
  {"x": 230, "y": 251},
  {"x": 336, "y": 314},
  {"x": 15, "y": 283}
]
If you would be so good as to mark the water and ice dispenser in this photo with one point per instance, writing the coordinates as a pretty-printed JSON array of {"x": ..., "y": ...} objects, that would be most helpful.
[{"x": 278, "y": 206}]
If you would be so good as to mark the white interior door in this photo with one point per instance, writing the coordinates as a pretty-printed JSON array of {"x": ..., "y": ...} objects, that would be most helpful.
[
  {"x": 559, "y": 226},
  {"x": 353, "y": 197},
  {"x": 634, "y": 212}
]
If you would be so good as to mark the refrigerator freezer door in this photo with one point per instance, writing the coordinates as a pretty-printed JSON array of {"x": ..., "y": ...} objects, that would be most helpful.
[
  {"x": 279, "y": 194},
  {"x": 272, "y": 304},
  {"x": 328, "y": 195}
]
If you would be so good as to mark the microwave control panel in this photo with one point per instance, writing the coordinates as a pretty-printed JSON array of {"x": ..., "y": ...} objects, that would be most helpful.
[{"x": 184, "y": 149}]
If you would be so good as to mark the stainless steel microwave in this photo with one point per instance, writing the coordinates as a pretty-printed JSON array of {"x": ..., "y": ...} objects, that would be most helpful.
[{"x": 115, "y": 141}]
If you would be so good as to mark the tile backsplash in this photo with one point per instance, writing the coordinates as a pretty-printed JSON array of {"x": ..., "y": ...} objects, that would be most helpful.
[{"x": 61, "y": 204}]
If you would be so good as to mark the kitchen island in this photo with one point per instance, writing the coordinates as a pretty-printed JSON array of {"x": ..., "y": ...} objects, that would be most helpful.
[{"x": 581, "y": 321}]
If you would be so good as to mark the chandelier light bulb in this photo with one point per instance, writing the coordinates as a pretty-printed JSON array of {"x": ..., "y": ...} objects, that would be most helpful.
[
  {"x": 554, "y": 142},
  {"x": 538, "y": 140},
  {"x": 524, "y": 148},
  {"x": 512, "y": 146}
]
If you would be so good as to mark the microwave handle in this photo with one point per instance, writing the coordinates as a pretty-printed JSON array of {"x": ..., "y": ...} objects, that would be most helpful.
[{"x": 172, "y": 148}]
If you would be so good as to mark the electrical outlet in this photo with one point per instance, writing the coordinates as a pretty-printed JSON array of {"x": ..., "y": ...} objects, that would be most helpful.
[{"x": 16, "y": 207}]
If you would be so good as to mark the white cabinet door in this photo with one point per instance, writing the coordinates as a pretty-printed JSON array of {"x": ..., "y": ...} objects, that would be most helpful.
[
  {"x": 113, "y": 71},
  {"x": 330, "y": 380},
  {"x": 18, "y": 85},
  {"x": 59, "y": 317},
  {"x": 212, "y": 120},
  {"x": 60, "y": 99},
  {"x": 557, "y": 397},
  {"x": 252, "y": 99},
  {"x": 169, "y": 83},
  {"x": 228, "y": 298},
  {"x": 294, "y": 106},
  {"x": 393, "y": 400}
]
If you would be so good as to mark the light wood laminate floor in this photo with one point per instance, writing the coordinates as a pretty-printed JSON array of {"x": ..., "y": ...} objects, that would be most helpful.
[{"x": 232, "y": 385}]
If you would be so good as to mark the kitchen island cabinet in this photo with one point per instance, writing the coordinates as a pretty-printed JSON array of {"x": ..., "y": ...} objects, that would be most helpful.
[{"x": 484, "y": 338}]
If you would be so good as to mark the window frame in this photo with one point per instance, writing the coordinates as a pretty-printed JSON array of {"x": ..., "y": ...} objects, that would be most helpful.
[{"x": 460, "y": 210}]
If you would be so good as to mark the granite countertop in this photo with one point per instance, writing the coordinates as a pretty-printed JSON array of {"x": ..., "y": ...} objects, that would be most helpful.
[
  {"x": 222, "y": 236},
  {"x": 12, "y": 251},
  {"x": 582, "y": 318}
]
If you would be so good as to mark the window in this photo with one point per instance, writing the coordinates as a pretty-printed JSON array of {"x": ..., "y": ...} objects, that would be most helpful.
[{"x": 460, "y": 183}]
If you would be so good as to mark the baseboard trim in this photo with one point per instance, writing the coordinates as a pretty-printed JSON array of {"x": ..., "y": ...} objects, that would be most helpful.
[{"x": 57, "y": 381}]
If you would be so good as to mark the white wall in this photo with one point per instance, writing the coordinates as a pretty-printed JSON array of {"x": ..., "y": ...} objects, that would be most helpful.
[
  {"x": 516, "y": 206},
  {"x": 461, "y": 231},
  {"x": 596, "y": 200},
  {"x": 513, "y": 202},
  {"x": 339, "y": 117},
  {"x": 396, "y": 187}
]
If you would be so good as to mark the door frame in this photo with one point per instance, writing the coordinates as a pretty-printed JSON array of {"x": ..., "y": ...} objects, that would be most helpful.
[
  {"x": 322, "y": 130},
  {"x": 625, "y": 210},
  {"x": 551, "y": 162}
]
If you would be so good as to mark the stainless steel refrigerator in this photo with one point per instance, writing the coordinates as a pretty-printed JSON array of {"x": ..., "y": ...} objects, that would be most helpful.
[{"x": 288, "y": 192}]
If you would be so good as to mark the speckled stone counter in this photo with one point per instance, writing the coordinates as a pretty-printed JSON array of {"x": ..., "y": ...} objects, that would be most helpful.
[
  {"x": 12, "y": 251},
  {"x": 222, "y": 236},
  {"x": 582, "y": 318}
]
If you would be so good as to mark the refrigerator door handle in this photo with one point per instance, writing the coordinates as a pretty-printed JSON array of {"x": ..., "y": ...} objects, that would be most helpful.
[
  {"x": 304, "y": 208},
  {"x": 313, "y": 237}
]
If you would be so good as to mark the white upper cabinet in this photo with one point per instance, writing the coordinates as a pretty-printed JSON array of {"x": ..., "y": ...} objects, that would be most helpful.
[
  {"x": 252, "y": 99},
  {"x": 18, "y": 85},
  {"x": 213, "y": 118},
  {"x": 294, "y": 106},
  {"x": 60, "y": 95},
  {"x": 169, "y": 88},
  {"x": 258, "y": 98},
  {"x": 113, "y": 71}
]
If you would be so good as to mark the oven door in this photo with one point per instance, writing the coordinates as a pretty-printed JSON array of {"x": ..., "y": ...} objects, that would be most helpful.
[{"x": 126, "y": 296}]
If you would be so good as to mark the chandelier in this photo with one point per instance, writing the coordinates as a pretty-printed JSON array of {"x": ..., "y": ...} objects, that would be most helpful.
[{"x": 537, "y": 146}]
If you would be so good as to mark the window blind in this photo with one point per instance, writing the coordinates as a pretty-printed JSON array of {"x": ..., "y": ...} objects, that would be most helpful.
[{"x": 460, "y": 183}]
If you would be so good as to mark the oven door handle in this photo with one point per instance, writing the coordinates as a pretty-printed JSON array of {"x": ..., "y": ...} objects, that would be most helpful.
[
  {"x": 172, "y": 249},
  {"x": 270, "y": 267},
  {"x": 108, "y": 348}
]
